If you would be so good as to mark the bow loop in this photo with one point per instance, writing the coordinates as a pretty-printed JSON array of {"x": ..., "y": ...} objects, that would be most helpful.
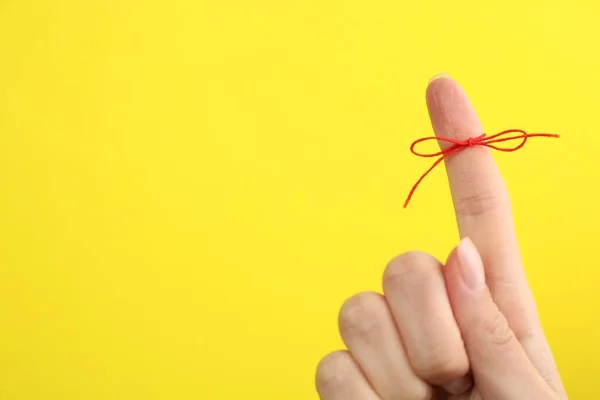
[{"x": 457, "y": 146}]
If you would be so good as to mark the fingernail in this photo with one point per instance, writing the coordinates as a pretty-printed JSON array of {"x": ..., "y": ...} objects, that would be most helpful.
[
  {"x": 471, "y": 266},
  {"x": 439, "y": 76},
  {"x": 459, "y": 386}
]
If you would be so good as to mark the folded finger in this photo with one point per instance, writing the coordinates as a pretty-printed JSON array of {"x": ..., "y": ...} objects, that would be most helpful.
[
  {"x": 340, "y": 378},
  {"x": 369, "y": 332},
  {"x": 415, "y": 290}
]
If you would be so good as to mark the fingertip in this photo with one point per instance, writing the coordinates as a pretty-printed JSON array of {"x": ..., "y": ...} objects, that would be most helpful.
[
  {"x": 464, "y": 272},
  {"x": 440, "y": 83},
  {"x": 458, "y": 291},
  {"x": 450, "y": 110},
  {"x": 471, "y": 266},
  {"x": 451, "y": 267},
  {"x": 441, "y": 75},
  {"x": 459, "y": 386}
]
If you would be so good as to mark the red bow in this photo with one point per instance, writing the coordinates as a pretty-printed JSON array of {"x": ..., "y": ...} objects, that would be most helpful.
[{"x": 459, "y": 145}]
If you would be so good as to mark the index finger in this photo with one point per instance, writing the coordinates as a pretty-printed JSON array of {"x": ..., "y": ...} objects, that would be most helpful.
[
  {"x": 483, "y": 213},
  {"x": 481, "y": 201}
]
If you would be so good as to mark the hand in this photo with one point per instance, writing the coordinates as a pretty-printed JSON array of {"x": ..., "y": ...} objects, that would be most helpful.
[{"x": 466, "y": 330}]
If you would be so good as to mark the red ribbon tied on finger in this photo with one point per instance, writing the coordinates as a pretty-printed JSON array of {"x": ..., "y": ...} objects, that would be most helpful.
[{"x": 456, "y": 146}]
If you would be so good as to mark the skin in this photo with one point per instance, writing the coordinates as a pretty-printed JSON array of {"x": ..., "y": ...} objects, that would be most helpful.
[{"x": 464, "y": 330}]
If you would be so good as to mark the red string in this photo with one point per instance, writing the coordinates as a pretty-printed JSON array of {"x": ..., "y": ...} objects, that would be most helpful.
[{"x": 459, "y": 145}]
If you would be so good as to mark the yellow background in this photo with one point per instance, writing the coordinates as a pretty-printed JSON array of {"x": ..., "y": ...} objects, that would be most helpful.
[{"x": 190, "y": 189}]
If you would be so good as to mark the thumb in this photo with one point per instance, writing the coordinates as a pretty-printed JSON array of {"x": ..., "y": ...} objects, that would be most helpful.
[{"x": 500, "y": 366}]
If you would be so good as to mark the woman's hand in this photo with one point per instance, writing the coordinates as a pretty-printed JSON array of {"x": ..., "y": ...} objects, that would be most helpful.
[{"x": 466, "y": 330}]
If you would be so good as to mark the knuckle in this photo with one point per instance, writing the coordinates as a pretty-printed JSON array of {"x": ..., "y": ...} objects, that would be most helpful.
[
  {"x": 362, "y": 315},
  {"x": 552, "y": 379},
  {"x": 409, "y": 269},
  {"x": 333, "y": 371},
  {"x": 441, "y": 367},
  {"x": 497, "y": 330},
  {"x": 409, "y": 389},
  {"x": 520, "y": 315},
  {"x": 479, "y": 203}
]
